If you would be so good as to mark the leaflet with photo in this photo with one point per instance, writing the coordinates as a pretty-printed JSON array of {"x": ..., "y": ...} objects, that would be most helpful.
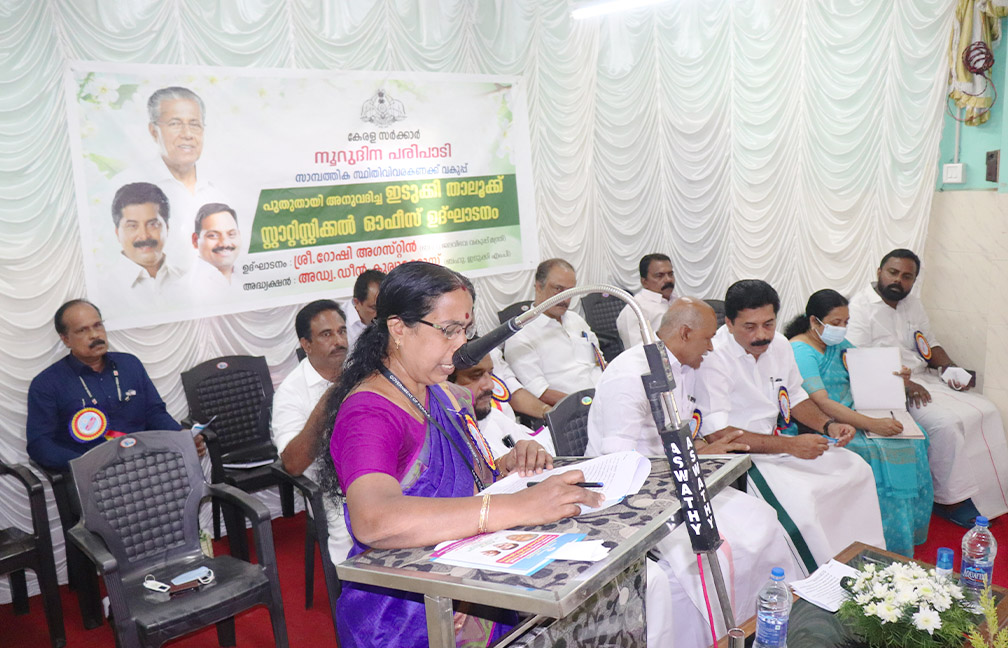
[{"x": 513, "y": 552}]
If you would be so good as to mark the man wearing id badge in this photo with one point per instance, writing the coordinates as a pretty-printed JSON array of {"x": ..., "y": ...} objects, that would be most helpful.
[
  {"x": 824, "y": 494},
  {"x": 966, "y": 433},
  {"x": 90, "y": 395}
]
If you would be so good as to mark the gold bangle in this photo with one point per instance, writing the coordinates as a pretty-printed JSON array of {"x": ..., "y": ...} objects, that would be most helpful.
[{"x": 484, "y": 515}]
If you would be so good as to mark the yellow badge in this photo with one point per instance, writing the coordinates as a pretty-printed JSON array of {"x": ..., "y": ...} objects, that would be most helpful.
[{"x": 88, "y": 424}]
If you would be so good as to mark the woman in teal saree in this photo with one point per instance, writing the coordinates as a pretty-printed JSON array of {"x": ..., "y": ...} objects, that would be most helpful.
[{"x": 902, "y": 475}]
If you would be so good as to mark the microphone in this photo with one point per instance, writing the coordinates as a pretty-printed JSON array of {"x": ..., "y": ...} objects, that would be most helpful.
[{"x": 470, "y": 353}]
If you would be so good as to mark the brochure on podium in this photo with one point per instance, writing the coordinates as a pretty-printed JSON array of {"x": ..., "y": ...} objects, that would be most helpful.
[
  {"x": 512, "y": 552},
  {"x": 878, "y": 392}
]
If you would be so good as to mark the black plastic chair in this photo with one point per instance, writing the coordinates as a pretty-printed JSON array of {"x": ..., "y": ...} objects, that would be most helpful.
[
  {"x": 81, "y": 575},
  {"x": 513, "y": 310},
  {"x": 20, "y": 550},
  {"x": 718, "y": 306},
  {"x": 568, "y": 423},
  {"x": 237, "y": 393},
  {"x": 600, "y": 311},
  {"x": 317, "y": 533},
  {"x": 140, "y": 497}
]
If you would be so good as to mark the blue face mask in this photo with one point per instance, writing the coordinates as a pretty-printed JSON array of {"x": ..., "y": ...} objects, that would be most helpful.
[{"x": 832, "y": 335}]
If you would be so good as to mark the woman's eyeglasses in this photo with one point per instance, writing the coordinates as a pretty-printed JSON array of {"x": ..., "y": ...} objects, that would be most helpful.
[{"x": 452, "y": 330}]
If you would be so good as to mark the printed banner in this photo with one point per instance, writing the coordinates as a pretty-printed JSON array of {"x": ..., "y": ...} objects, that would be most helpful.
[{"x": 204, "y": 191}]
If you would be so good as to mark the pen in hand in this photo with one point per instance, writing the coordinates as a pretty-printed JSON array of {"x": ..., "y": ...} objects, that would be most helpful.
[{"x": 581, "y": 484}]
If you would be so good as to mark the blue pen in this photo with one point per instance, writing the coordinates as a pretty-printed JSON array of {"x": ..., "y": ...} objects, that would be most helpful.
[{"x": 830, "y": 440}]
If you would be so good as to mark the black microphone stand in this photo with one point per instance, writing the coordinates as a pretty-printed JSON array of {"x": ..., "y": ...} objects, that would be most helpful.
[{"x": 697, "y": 513}]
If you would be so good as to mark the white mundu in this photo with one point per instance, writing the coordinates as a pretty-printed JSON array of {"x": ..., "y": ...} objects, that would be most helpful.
[
  {"x": 293, "y": 402},
  {"x": 968, "y": 454},
  {"x": 549, "y": 355},
  {"x": 654, "y": 307},
  {"x": 754, "y": 541},
  {"x": 830, "y": 501},
  {"x": 501, "y": 422}
]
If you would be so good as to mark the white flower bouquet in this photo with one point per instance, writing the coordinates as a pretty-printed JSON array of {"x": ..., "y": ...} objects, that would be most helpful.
[{"x": 905, "y": 606}]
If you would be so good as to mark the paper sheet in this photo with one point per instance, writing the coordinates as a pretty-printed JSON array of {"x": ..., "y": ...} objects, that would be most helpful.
[
  {"x": 622, "y": 473},
  {"x": 877, "y": 391},
  {"x": 822, "y": 588},
  {"x": 873, "y": 385}
]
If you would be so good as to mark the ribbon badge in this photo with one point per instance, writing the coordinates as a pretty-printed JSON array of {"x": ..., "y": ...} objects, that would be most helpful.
[
  {"x": 480, "y": 441},
  {"x": 88, "y": 424},
  {"x": 923, "y": 348},
  {"x": 784, "y": 402},
  {"x": 500, "y": 391},
  {"x": 843, "y": 358},
  {"x": 695, "y": 423}
]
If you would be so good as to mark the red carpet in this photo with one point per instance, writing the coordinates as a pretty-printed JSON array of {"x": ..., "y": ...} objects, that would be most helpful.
[{"x": 314, "y": 627}]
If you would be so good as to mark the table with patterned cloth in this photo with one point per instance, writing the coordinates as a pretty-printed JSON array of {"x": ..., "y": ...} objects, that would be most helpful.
[{"x": 566, "y": 603}]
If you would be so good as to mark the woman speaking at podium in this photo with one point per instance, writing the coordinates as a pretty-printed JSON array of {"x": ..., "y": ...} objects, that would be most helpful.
[{"x": 410, "y": 463}]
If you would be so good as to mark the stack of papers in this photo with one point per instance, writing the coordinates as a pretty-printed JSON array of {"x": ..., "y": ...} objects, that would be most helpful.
[
  {"x": 877, "y": 391},
  {"x": 620, "y": 473},
  {"x": 822, "y": 588}
]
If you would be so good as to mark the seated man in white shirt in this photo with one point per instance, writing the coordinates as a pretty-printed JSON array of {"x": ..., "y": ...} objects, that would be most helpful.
[
  {"x": 754, "y": 541},
  {"x": 556, "y": 353},
  {"x": 824, "y": 494},
  {"x": 360, "y": 308},
  {"x": 495, "y": 417},
  {"x": 321, "y": 331},
  {"x": 658, "y": 281},
  {"x": 968, "y": 443}
]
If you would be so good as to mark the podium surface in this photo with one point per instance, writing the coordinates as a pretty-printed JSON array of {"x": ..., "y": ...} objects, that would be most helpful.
[{"x": 629, "y": 529}]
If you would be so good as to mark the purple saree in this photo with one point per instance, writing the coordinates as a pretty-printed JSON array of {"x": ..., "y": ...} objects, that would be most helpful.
[{"x": 374, "y": 617}]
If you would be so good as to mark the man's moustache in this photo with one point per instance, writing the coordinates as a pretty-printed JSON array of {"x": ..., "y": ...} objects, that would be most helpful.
[
  {"x": 96, "y": 343},
  {"x": 224, "y": 248},
  {"x": 145, "y": 243},
  {"x": 668, "y": 286},
  {"x": 761, "y": 343},
  {"x": 337, "y": 350}
]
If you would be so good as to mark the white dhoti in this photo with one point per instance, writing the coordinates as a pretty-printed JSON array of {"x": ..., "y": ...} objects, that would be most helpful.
[
  {"x": 831, "y": 501},
  {"x": 968, "y": 453},
  {"x": 754, "y": 543}
]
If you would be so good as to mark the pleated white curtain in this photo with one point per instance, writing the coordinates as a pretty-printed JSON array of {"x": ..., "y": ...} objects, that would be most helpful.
[{"x": 790, "y": 140}]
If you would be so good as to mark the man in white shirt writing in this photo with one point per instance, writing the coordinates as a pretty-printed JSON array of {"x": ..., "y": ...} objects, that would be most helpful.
[
  {"x": 754, "y": 541},
  {"x": 824, "y": 494}
]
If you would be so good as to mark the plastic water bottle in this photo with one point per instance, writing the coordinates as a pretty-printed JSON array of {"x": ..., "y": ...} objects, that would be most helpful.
[
  {"x": 978, "y": 550},
  {"x": 944, "y": 564},
  {"x": 773, "y": 606}
]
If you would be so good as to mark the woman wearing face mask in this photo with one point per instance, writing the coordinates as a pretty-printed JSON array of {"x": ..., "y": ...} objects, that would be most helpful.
[{"x": 902, "y": 475}]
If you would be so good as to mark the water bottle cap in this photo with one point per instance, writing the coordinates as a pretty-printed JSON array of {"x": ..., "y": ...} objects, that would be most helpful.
[
  {"x": 945, "y": 557},
  {"x": 980, "y": 521},
  {"x": 777, "y": 573}
]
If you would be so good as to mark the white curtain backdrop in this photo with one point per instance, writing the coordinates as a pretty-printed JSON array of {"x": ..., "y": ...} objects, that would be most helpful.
[{"x": 789, "y": 140}]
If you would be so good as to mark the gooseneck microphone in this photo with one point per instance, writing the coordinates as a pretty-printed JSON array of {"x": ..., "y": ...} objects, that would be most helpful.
[{"x": 470, "y": 353}]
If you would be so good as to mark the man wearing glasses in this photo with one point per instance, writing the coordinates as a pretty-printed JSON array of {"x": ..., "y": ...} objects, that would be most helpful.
[
  {"x": 557, "y": 354},
  {"x": 91, "y": 395},
  {"x": 177, "y": 118}
]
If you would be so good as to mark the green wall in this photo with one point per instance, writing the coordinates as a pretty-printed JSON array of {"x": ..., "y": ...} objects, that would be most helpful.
[{"x": 975, "y": 141}]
